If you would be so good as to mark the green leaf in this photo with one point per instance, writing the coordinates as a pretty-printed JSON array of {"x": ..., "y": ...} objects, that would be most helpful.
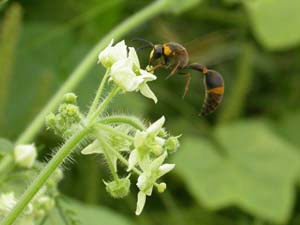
[
  {"x": 288, "y": 126},
  {"x": 257, "y": 172},
  {"x": 275, "y": 23},
  {"x": 5, "y": 146},
  {"x": 87, "y": 215}
]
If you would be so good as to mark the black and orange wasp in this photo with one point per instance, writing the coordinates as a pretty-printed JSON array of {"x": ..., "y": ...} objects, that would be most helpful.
[{"x": 173, "y": 56}]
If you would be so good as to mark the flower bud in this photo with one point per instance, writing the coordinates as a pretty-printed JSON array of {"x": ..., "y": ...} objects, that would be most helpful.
[
  {"x": 161, "y": 187},
  {"x": 57, "y": 175},
  {"x": 163, "y": 133},
  {"x": 25, "y": 155},
  {"x": 55, "y": 178},
  {"x": 46, "y": 203},
  {"x": 39, "y": 213},
  {"x": 172, "y": 144},
  {"x": 70, "y": 98},
  {"x": 157, "y": 149},
  {"x": 51, "y": 120},
  {"x": 118, "y": 188},
  {"x": 7, "y": 202}
]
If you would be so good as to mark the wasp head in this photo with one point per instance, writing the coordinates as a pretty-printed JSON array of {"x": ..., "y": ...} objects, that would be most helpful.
[{"x": 156, "y": 53}]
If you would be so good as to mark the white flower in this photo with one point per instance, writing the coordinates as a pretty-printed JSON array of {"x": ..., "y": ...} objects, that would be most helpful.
[
  {"x": 129, "y": 77},
  {"x": 112, "y": 54},
  {"x": 145, "y": 142},
  {"x": 125, "y": 69},
  {"x": 25, "y": 155},
  {"x": 7, "y": 202},
  {"x": 123, "y": 75},
  {"x": 148, "y": 178}
]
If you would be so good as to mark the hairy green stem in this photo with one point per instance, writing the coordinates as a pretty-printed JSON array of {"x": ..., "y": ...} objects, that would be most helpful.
[
  {"x": 40, "y": 180},
  {"x": 6, "y": 163},
  {"x": 114, "y": 131},
  {"x": 130, "y": 120},
  {"x": 103, "y": 105},
  {"x": 109, "y": 161},
  {"x": 98, "y": 94},
  {"x": 86, "y": 64}
]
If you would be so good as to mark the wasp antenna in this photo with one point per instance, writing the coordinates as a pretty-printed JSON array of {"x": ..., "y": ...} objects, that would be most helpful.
[
  {"x": 143, "y": 47},
  {"x": 150, "y": 44}
]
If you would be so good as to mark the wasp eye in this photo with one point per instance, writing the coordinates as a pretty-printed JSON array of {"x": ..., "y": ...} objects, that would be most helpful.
[{"x": 157, "y": 53}]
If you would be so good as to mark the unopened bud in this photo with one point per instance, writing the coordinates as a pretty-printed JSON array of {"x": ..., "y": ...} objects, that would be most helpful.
[
  {"x": 161, "y": 187},
  {"x": 70, "y": 98},
  {"x": 118, "y": 188},
  {"x": 25, "y": 155}
]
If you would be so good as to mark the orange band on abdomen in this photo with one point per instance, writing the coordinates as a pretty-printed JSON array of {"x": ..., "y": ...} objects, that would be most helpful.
[{"x": 217, "y": 90}]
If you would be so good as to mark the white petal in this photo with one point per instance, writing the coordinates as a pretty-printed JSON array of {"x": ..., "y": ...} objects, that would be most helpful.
[
  {"x": 140, "y": 203},
  {"x": 92, "y": 148},
  {"x": 148, "y": 192},
  {"x": 147, "y": 76},
  {"x": 160, "y": 141},
  {"x": 104, "y": 56},
  {"x": 165, "y": 168},
  {"x": 133, "y": 57},
  {"x": 155, "y": 127},
  {"x": 139, "y": 138},
  {"x": 120, "y": 50},
  {"x": 123, "y": 75},
  {"x": 132, "y": 160},
  {"x": 105, "y": 51},
  {"x": 112, "y": 54},
  {"x": 156, "y": 163},
  {"x": 146, "y": 91},
  {"x": 142, "y": 181}
]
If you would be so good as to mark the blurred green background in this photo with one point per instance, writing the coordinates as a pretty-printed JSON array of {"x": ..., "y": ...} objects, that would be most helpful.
[{"x": 240, "y": 165}]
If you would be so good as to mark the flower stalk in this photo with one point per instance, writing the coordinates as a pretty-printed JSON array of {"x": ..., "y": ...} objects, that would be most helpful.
[{"x": 99, "y": 94}]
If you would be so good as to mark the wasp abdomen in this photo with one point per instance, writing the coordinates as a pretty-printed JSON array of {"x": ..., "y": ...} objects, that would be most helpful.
[{"x": 214, "y": 90}]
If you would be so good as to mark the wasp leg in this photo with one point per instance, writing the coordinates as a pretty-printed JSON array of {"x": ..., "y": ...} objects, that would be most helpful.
[
  {"x": 187, "y": 83},
  {"x": 174, "y": 70},
  {"x": 156, "y": 67}
]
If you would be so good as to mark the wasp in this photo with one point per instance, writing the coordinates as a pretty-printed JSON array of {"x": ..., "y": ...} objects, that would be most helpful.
[{"x": 174, "y": 57}]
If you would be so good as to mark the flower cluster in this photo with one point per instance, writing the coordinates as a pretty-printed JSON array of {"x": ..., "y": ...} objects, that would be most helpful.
[
  {"x": 25, "y": 159},
  {"x": 68, "y": 118},
  {"x": 151, "y": 148},
  {"x": 143, "y": 150},
  {"x": 41, "y": 204},
  {"x": 147, "y": 150},
  {"x": 125, "y": 69}
]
